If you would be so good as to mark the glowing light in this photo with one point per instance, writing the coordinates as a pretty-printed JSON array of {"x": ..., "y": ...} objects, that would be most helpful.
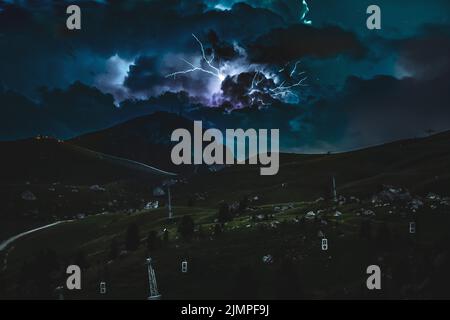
[
  {"x": 121, "y": 66},
  {"x": 265, "y": 87},
  {"x": 221, "y": 7},
  {"x": 111, "y": 81}
]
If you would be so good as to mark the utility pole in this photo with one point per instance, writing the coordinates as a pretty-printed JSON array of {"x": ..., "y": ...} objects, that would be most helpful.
[
  {"x": 170, "y": 202},
  {"x": 334, "y": 190}
]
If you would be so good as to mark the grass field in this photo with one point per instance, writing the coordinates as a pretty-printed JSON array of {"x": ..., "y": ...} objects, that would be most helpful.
[{"x": 230, "y": 265}]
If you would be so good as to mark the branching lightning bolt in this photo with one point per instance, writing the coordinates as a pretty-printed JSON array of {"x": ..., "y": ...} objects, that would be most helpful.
[
  {"x": 295, "y": 69},
  {"x": 280, "y": 90},
  {"x": 258, "y": 92},
  {"x": 212, "y": 69},
  {"x": 286, "y": 90}
]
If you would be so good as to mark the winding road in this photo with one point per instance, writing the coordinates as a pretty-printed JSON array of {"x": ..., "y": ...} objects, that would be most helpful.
[{"x": 7, "y": 242}]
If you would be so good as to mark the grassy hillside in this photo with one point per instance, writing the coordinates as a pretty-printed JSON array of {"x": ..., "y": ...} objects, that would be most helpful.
[
  {"x": 420, "y": 165},
  {"x": 230, "y": 264},
  {"x": 381, "y": 191},
  {"x": 62, "y": 180},
  {"x": 145, "y": 139}
]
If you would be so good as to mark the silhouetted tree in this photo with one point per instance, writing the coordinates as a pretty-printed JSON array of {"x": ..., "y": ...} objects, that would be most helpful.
[
  {"x": 383, "y": 237},
  {"x": 186, "y": 227},
  {"x": 153, "y": 241},
  {"x": 114, "y": 249},
  {"x": 81, "y": 260},
  {"x": 365, "y": 229},
  {"x": 217, "y": 229},
  {"x": 166, "y": 236},
  {"x": 132, "y": 237},
  {"x": 243, "y": 204},
  {"x": 201, "y": 233},
  {"x": 224, "y": 214},
  {"x": 191, "y": 201}
]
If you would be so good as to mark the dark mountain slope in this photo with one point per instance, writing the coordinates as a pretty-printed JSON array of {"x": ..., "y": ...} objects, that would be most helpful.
[{"x": 145, "y": 139}]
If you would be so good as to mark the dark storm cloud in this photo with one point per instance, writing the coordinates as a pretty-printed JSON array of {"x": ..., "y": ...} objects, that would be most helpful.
[
  {"x": 133, "y": 26},
  {"x": 290, "y": 10},
  {"x": 247, "y": 89},
  {"x": 222, "y": 50},
  {"x": 372, "y": 111},
  {"x": 425, "y": 56},
  {"x": 385, "y": 109},
  {"x": 236, "y": 88},
  {"x": 143, "y": 74},
  {"x": 75, "y": 110},
  {"x": 37, "y": 50},
  {"x": 148, "y": 77},
  {"x": 36, "y": 39},
  {"x": 365, "y": 112},
  {"x": 298, "y": 41},
  {"x": 59, "y": 113}
]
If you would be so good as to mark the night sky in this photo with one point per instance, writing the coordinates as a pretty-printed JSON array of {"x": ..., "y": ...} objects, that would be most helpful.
[{"x": 325, "y": 80}]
